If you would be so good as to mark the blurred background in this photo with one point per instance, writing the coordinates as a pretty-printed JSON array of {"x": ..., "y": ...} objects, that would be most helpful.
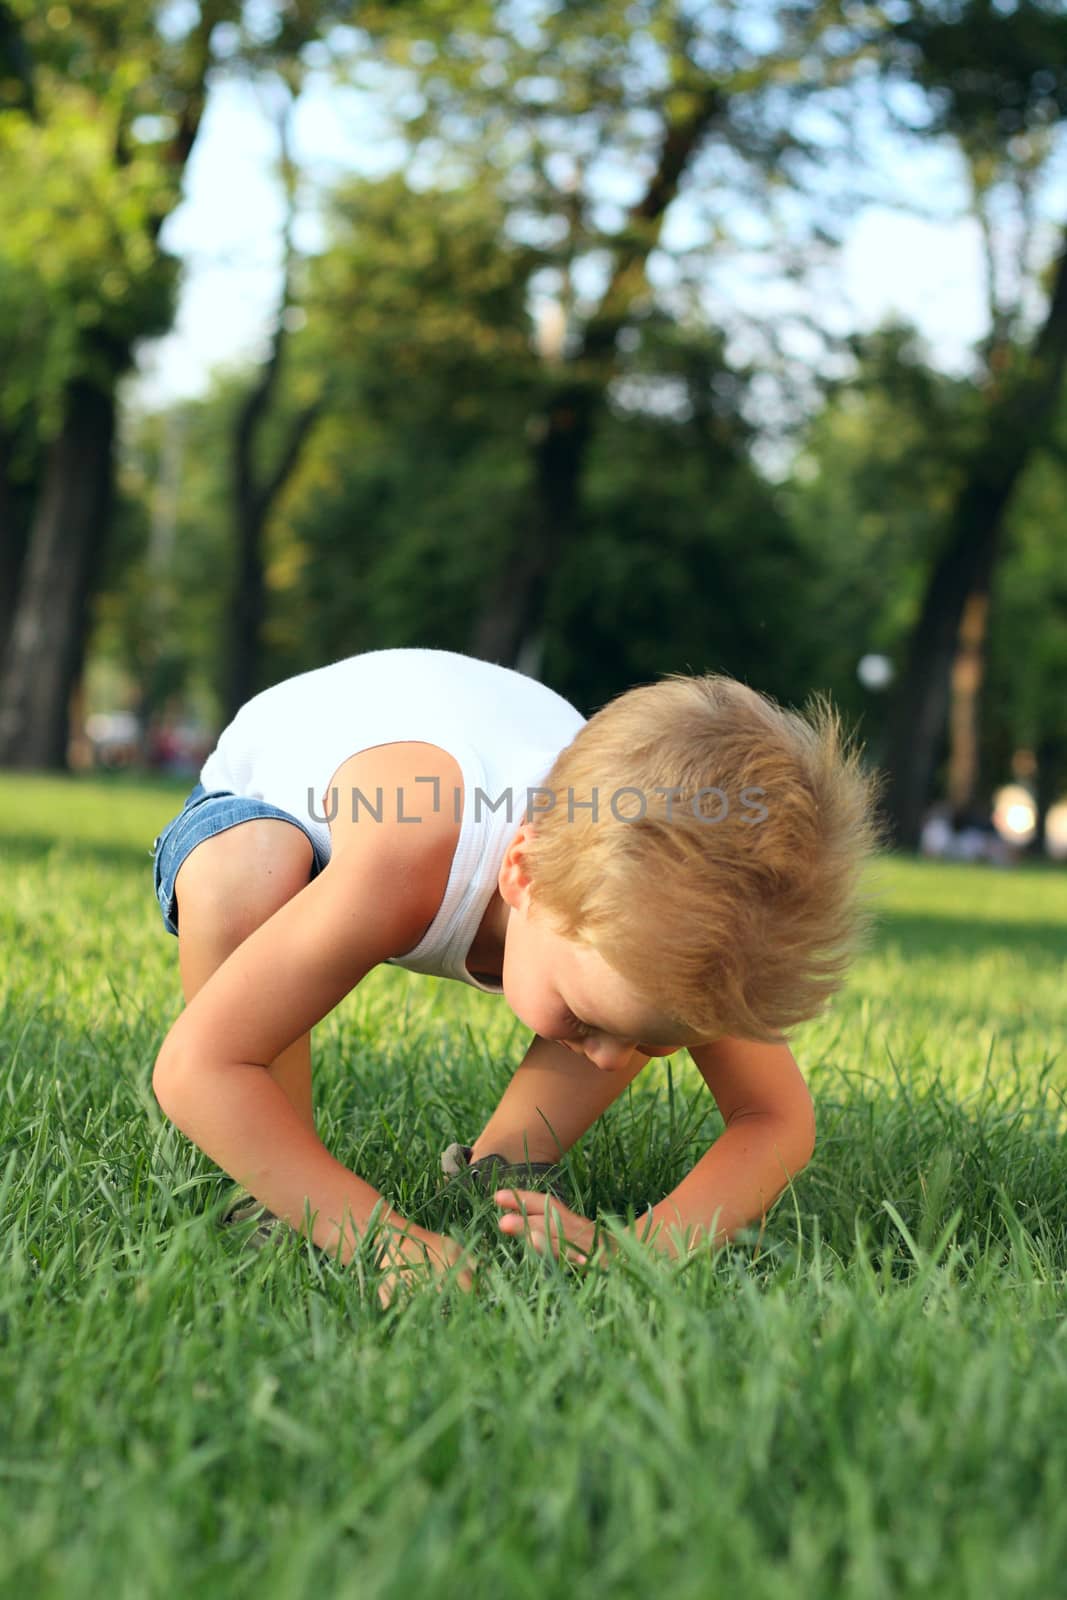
[{"x": 598, "y": 339}]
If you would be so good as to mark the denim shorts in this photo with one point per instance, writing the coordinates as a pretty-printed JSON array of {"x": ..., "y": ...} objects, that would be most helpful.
[{"x": 201, "y": 817}]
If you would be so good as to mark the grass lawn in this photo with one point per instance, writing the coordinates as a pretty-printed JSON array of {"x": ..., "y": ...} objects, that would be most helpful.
[{"x": 869, "y": 1400}]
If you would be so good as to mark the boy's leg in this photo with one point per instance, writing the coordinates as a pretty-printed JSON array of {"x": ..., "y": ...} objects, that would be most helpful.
[
  {"x": 554, "y": 1096},
  {"x": 226, "y": 887}
]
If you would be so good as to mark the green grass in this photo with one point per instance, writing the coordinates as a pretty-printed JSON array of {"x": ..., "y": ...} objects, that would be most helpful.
[{"x": 870, "y": 1400}]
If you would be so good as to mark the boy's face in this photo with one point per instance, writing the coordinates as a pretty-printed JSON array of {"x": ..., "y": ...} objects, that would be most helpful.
[{"x": 567, "y": 991}]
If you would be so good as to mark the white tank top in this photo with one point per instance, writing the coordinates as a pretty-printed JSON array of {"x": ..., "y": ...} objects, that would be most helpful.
[{"x": 503, "y": 728}]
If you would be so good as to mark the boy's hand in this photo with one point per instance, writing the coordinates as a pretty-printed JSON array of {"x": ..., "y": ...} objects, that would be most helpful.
[
  {"x": 410, "y": 1255},
  {"x": 548, "y": 1226}
]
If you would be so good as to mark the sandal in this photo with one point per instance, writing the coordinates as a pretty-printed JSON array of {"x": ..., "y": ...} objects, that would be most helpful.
[
  {"x": 497, "y": 1172},
  {"x": 248, "y": 1209}
]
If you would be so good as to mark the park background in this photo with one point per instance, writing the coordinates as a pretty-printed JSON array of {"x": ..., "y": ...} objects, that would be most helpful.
[{"x": 602, "y": 339}]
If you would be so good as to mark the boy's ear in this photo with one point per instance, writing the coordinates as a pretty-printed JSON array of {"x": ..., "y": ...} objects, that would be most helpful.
[{"x": 513, "y": 880}]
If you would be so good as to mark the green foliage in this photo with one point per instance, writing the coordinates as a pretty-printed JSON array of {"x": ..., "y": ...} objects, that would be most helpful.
[
  {"x": 406, "y": 498},
  {"x": 873, "y": 482},
  {"x": 684, "y": 559},
  {"x": 100, "y": 102},
  {"x": 79, "y": 268},
  {"x": 419, "y": 313},
  {"x": 1028, "y": 628},
  {"x": 992, "y": 73},
  {"x": 872, "y": 485}
]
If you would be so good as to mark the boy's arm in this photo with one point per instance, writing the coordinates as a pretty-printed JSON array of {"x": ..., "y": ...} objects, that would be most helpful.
[
  {"x": 554, "y": 1096},
  {"x": 210, "y": 1080},
  {"x": 769, "y": 1137}
]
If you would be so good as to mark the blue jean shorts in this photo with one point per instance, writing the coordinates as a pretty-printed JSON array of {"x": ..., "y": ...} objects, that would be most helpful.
[{"x": 201, "y": 817}]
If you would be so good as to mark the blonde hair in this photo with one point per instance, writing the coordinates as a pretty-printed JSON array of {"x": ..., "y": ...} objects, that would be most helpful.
[{"x": 735, "y": 910}]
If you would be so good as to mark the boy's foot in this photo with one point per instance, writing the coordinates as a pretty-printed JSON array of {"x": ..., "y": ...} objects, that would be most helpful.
[
  {"x": 497, "y": 1172},
  {"x": 246, "y": 1209}
]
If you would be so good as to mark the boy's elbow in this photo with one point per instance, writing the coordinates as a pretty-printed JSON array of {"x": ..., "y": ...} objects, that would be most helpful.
[
  {"x": 796, "y": 1139},
  {"x": 804, "y": 1136}
]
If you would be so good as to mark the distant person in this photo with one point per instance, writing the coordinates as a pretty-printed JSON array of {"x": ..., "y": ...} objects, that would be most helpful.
[
  {"x": 976, "y": 837},
  {"x": 964, "y": 833},
  {"x": 680, "y": 870},
  {"x": 164, "y": 747}
]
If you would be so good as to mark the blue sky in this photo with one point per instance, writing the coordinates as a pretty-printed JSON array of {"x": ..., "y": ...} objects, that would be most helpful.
[{"x": 227, "y": 230}]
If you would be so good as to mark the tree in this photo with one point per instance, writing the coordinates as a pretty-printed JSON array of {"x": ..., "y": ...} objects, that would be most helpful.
[
  {"x": 420, "y": 303},
  {"x": 879, "y": 469},
  {"x": 104, "y": 103},
  {"x": 996, "y": 82},
  {"x": 674, "y": 93},
  {"x": 255, "y": 490},
  {"x": 79, "y": 178}
]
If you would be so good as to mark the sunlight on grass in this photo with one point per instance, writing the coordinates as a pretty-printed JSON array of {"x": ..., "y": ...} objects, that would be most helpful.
[{"x": 864, "y": 1398}]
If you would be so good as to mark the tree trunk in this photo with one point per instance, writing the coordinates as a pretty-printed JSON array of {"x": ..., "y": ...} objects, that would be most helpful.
[
  {"x": 46, "y": 646},
  {"x": 246, "y": 606},
  {"x": 254, "y": 495},
  {"x": 964, "y": 713},
  {"x": 49, "y": 631},
  {"x": 14, "y": 528},
  {"x": 917, "y": 717},
  {"x": 1051, "y": 756},
  {"x": 511, "y": 621},
  {"x": 252, "y": 506},
  {"x": 1018, "y": 420}
]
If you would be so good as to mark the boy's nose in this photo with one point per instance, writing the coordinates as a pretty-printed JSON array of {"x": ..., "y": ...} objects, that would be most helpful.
[{"x": 607, "y": 1056}]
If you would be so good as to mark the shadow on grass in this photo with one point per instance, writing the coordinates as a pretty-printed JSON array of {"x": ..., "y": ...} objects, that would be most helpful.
[{"x": 923, "y": 934}]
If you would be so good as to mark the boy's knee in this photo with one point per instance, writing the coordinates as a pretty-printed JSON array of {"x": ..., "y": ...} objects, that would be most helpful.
[{"x": 240, "y": 877}]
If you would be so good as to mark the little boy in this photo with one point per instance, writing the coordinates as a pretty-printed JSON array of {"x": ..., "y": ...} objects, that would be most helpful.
[{"x": 682, "y": 869}]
